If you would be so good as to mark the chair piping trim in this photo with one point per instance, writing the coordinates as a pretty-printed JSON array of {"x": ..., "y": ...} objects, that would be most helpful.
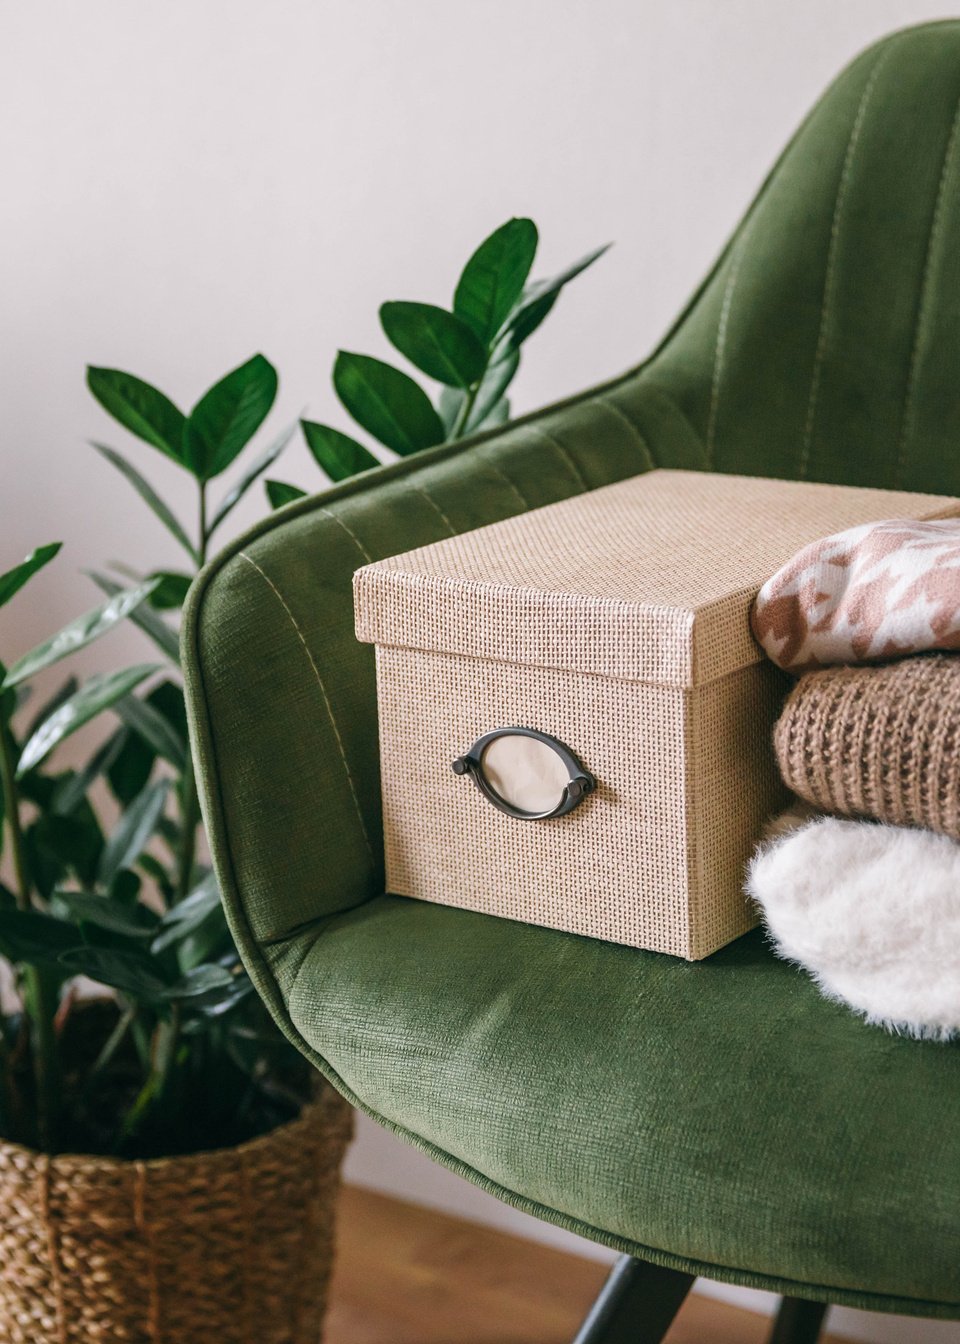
[
  {"x": 512, "y": 485},
  {"x": 344, "y": 528},
  {"x": 323, "y": 692},
  {"x": 565, "y": 453},
  {"x": 721, "y": 346},
  {"x": 422, "y": 490},
  {"x": 609, "y": 404},
  {"x": 832, "y": 251}
]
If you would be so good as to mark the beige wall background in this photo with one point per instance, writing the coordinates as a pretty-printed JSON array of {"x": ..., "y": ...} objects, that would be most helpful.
[{"x": 186, "y": 182}]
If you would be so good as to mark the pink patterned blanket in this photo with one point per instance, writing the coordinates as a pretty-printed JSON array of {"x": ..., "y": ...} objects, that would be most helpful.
[{"x": 872, "y": 593}]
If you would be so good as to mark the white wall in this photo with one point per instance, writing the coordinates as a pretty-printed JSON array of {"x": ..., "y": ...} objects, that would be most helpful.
[{"x": 189, "y": 181}]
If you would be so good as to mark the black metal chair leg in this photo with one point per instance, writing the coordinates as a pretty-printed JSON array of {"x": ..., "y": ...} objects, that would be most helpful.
[
  {"x": 636, "y": 1305},
  {"x": 798, "y": 1322}
]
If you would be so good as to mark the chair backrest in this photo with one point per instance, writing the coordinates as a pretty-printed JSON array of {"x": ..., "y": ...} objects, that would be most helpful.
[{"x": 826, "y": 343}]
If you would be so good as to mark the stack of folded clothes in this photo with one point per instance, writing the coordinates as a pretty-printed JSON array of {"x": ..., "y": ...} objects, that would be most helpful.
[{"x": 860, "y": 883}]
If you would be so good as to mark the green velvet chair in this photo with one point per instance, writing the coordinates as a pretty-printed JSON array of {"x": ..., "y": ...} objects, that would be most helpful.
[{"x": 718, "y": 1118}]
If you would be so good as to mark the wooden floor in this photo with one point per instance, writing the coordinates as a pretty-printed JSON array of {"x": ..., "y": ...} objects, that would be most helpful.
[{"x": 407, "y": 1275}]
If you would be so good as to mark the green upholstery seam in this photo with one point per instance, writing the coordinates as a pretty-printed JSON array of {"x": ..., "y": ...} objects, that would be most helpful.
[
  {"x": 654, "y": 389},
  {"x": 422, "y": 490},
  {"x": 323, "y": 691},
  {"x": 720, "y": 349},
  {"x": 925, "y": 292},
  {"x": 565, "y": 454},
  {"x": 335, "y": 518},
  {"x": 832, "y": 250},
  {"x": 495, "y": 466},
  {"x": 621, "y": 415}
]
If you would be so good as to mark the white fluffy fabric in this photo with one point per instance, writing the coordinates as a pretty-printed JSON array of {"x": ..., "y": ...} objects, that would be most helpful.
[{"x": 872, "y": 912}]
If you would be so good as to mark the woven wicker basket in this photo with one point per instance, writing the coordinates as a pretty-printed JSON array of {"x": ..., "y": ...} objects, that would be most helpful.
[{"x": 233, "y": 1246}]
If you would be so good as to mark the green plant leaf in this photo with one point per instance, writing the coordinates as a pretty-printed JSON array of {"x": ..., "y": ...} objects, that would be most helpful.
[
  {"x": 240, "y": 992},
  {"x": 337, "y": 454},
  {"x": 279, "y": 493},
  {"x": 96, "y": 695},
  {"x": 147, "y": 493},
  {"x": 496, "y": 380},
  {"x": 171, "y": 832},
  {"x": 131, "y": 921},
  {"x": 388, "y": 404},
  {"x": 187, "y": 915},
  {"x": 55, "y": 701},
  {"x": 131, "y": 972},
  {"x": 132, "y": 833},
  {"x": 125, "y": 887},
  {"x": 449, "y": 404},
  {"x": 226, "y": 417},
  {"x": 498, "y": 414},
  {"x": 159, "y": 873},
  {"x": 67, "y": 844},
  {"x": 29, "y": 936},
  {"x": 155, "y": 729},
  {"x": 172, "y": 586},
  {"x": 199, "y": 981},
  {"x": 256, "y": 469},
  {"x": 72, "y": 789},
  {"x": 209, "y": 941},
  {"x": 147, "y": 620},
  {"x": 167, "y": 699},
  {"x": 129, "y": 771},
  {"x": 534, "y": 302},
  {"x": 439, "y": 343},
  {"x": 142, "y": 409},
  {"x": 13, "y": 580},
  {"x": 494, "y": 277},
  {"x": 527, "y": 323},
  {"x": 84, "y": 630}
]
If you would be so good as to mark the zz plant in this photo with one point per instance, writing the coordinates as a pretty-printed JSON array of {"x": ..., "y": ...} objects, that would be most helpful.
[
  {"x": 184, "y": 1056},
  {"x": 471, "y": 350}
]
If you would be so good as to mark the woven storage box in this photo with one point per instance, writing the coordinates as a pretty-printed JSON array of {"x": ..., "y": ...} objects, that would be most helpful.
[{"x": 618, "y": 623}]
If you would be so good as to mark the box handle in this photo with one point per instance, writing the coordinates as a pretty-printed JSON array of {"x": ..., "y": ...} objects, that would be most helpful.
[{"x": 526, "y": 774}]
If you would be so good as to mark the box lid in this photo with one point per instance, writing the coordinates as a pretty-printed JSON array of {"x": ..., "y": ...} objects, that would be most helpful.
[{"x": 650, "y": 579}]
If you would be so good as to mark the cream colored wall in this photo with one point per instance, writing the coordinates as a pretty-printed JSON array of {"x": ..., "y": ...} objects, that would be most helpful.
[{"x": 189, "y": 181}]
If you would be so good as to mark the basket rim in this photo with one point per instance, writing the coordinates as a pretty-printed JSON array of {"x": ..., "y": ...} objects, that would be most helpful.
[{"x": 312, "y": 1110}]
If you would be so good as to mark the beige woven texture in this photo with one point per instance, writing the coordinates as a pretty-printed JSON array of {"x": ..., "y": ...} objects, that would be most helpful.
[
  {"x": 616, "y": 621},
  {"x": 234, "y": 1246},
  {"x": 880, "y": 742},
  {"x": 650, "y": 579}
]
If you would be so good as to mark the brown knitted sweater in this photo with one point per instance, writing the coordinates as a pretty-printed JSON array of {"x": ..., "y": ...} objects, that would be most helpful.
[{"x": 881, "y": 742}]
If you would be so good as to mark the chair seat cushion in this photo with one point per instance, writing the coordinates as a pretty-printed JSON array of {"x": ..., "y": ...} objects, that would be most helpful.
[{"x": 718, "y": 1116}]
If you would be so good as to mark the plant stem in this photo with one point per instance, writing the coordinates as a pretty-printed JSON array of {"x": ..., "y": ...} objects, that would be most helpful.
[
  {"x": 463, "y": 415},
  {"x": 203, "y": 537},
  {"x": 40, "y": 999},
  {"x": 189, "y": 820},
  {"x": 189, "y": 802},
  {"x": 108, "y": 1050},
  {"x": 11, "y": 800}
]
